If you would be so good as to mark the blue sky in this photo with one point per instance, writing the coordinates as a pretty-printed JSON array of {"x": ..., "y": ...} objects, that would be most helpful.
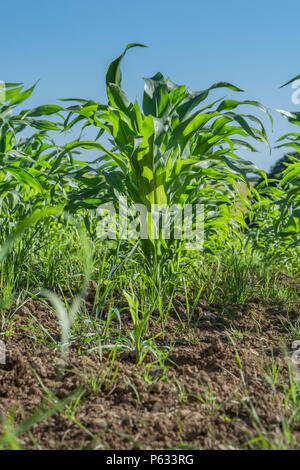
[{"x": 68, "y": 46}]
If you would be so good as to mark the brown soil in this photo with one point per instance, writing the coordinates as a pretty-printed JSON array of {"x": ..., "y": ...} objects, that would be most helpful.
[{"x": 201, "y": 399}]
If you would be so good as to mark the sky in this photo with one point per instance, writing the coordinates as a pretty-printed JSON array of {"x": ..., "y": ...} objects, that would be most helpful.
[{"x": 67, "y": 45}]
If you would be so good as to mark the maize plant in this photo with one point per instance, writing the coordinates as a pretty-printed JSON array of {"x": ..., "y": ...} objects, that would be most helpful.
[
  {"x": 275, "y": 226},
  {"x": 172, "y": 149},
  {"x": 32, "y": 171},
  {"x": 288, "y": 224}
]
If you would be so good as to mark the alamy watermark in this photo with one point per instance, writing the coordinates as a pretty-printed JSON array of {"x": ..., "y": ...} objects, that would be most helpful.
[
  {"x": 296, "y": 93},
  {"x": 137, "y": 222},
  {"x": 2, "y": 92},
  {"x": 296, "y": 354},
  {"x": 2, "y": 353}
]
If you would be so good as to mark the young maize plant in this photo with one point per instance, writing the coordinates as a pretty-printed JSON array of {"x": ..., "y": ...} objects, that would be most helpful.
[
  {"x": 274, "y": 230},
  {"x": 168, "y": 152},
  {"x": 288, "y": 224},
  {"x": 32, "y": 171}
]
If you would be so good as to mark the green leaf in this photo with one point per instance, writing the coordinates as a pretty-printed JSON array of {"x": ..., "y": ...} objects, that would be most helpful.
[
  {"x": 156, "y": 98},
  {"x": 113, "y": 74},
  {"x": 10, "y": 94},
  {"x": 44, "y": 110},
  {"x": 117, "y": 97},
  {"x": 290, "y": 81},
  {"x": 24, "y": 177},
  {"x": 20, "y": 97}
]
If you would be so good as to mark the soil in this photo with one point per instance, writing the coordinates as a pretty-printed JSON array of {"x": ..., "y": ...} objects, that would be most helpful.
[{"x": 203, "y": 398}]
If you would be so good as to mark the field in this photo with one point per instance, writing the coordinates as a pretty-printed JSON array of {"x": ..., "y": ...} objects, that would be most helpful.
[{"x": 147, "y": 342}]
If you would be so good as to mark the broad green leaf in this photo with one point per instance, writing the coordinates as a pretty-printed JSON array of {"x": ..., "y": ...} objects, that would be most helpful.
[
  {"x": 44, "y": 110},
  {"x": 113, "y": 74},
  {"x": 25, "y": 177},
  {"x": 22, "y": 96},
  {"x": 117, "y": 97}
]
